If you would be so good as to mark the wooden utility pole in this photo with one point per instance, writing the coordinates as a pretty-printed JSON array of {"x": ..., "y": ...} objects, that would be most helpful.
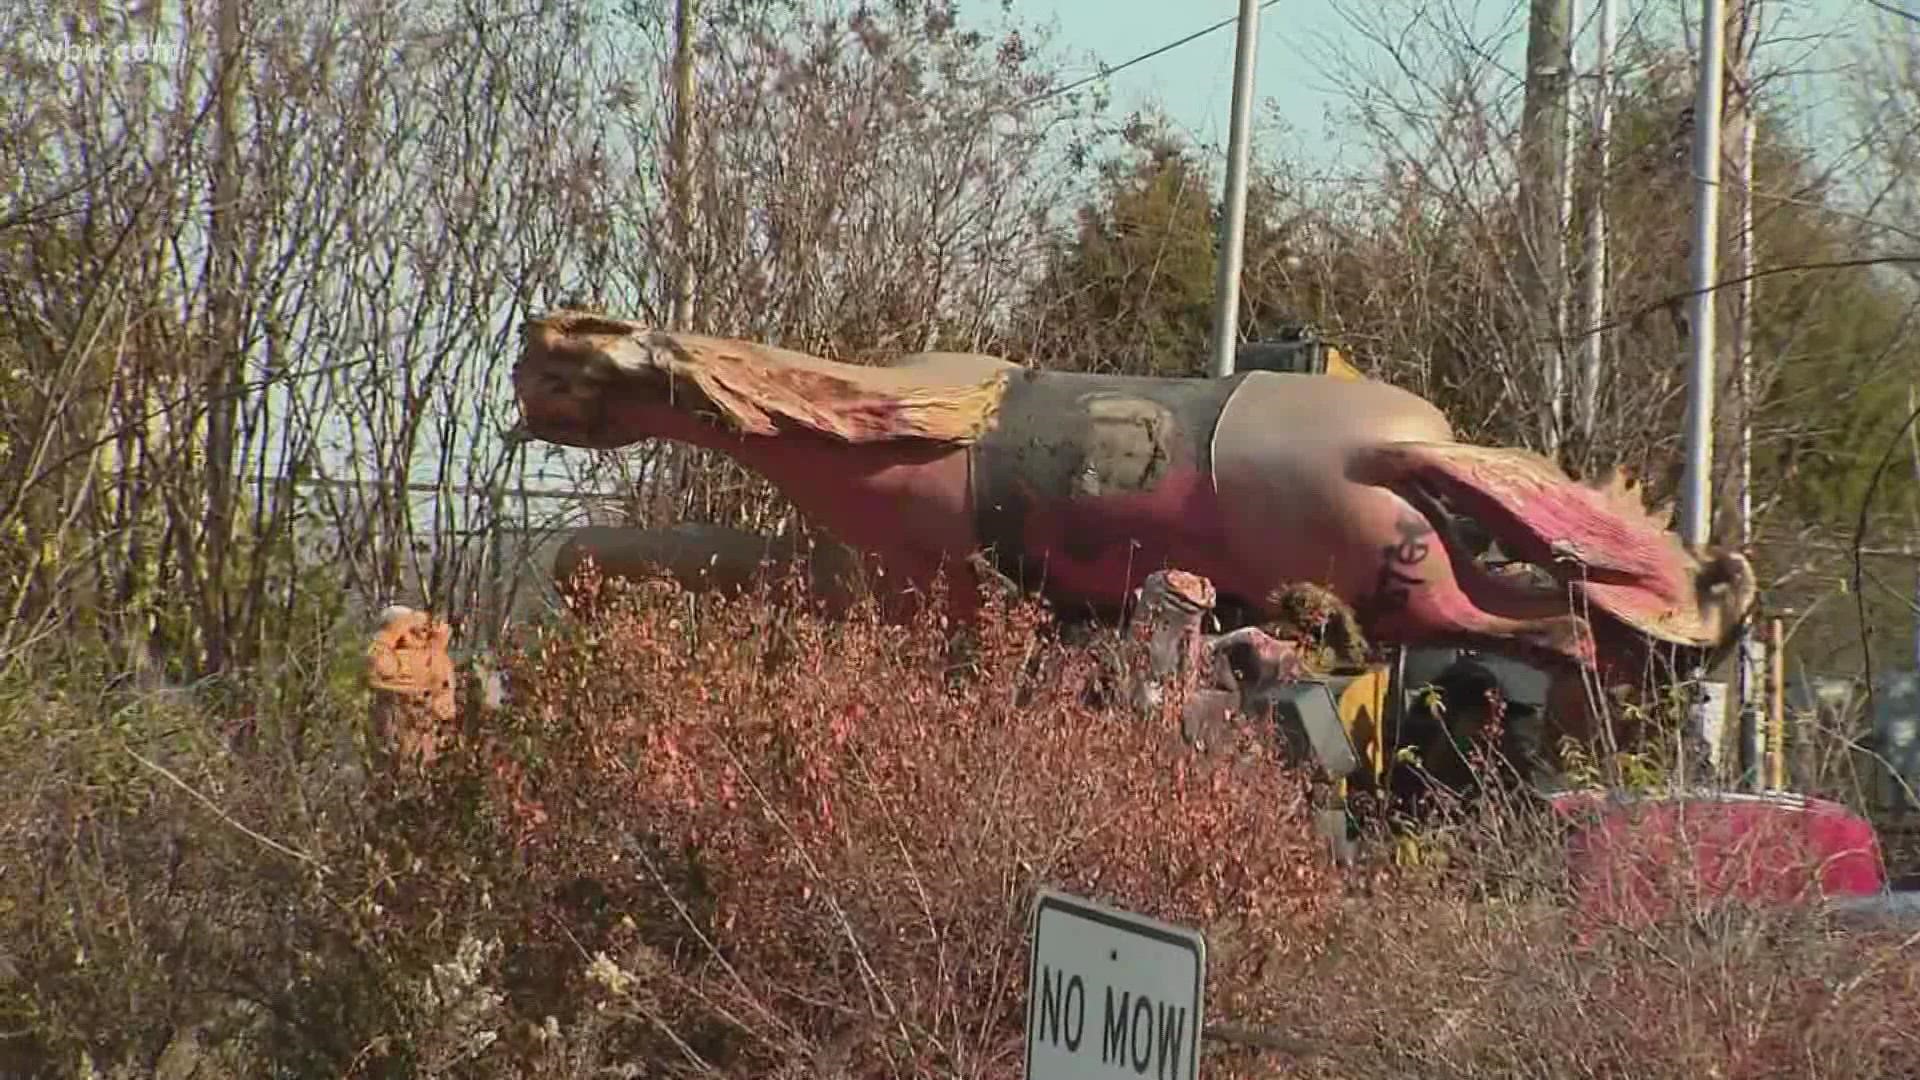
[
  {"x": 1737, "y": 130},
  {"x": 1543, "y": 175},
  {"x": 680, "y": 314}
]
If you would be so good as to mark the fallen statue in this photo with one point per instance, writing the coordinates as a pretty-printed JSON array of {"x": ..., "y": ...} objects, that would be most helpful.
[{"x": 1079, "y": 485}]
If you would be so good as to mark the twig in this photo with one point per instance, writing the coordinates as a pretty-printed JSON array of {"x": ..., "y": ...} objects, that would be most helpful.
[
  {"x": 872, "y": 977},
  {"x": 631, "y": 844},
  {"x": 1264, "y": 1039},
  {"x": 1873, "y": 968},
  {"x": 223, "y": 815},
  {"x": 1859, "y": 543}
]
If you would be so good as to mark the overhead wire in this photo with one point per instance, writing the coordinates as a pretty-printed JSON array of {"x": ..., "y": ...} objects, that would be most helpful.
[
  {"x": 1106, "y": 72},
  {"x": 1891, "y": 10}
]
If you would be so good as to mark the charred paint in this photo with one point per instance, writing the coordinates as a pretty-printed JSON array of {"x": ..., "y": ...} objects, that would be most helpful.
[
  {"x": 1393, "y": 587},
  {"x": 1086, "y": 483}
]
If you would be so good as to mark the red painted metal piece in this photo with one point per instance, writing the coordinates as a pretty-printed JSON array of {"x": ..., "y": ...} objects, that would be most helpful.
[{"x": 1640, "y": 859}]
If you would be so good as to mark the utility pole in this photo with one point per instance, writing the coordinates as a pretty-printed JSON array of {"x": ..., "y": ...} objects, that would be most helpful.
[
  {"x": 1740, "y": 122},
  {"x": 1697, "y": 524},
  {"x": 1563, "y": 230},
  {"x": 1596, "y": 282},
  {"x": 1543, "y": 152},
  {"x": 1233, "y": 227},
  {"x": 680, "y": 315}
]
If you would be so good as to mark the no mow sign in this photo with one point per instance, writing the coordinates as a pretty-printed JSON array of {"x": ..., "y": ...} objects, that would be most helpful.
[{"x": 1112, "y": 994}]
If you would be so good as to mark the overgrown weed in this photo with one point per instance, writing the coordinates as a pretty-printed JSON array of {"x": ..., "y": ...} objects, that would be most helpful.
[{"x": 738, "y": 837}]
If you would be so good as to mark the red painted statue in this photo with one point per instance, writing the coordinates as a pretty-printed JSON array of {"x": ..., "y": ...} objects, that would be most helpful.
[{"x": 1079, "y": 485}]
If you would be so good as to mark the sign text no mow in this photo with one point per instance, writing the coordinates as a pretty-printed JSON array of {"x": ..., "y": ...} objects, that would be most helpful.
[
  {"x": 1112, "y": 994},
  {"x": 1137, "y": 1033}
]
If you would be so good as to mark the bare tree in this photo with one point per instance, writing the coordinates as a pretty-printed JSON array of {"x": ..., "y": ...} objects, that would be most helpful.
[{"x": 261, "y": 311}]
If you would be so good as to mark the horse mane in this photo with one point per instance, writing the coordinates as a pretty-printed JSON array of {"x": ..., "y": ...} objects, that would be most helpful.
[{"x": 756, "y": 389}]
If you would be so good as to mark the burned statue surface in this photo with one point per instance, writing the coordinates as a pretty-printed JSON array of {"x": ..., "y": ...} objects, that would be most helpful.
[{"x": 1080, "y": 485}]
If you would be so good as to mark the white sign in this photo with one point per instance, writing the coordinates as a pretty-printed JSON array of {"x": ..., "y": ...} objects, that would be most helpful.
[{"x": 1112, "y": 994}]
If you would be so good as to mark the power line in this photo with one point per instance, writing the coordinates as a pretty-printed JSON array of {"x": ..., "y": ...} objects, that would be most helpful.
[
  {"x": 1891, "y": 10},
  {"x": 1106, "y": 72}
]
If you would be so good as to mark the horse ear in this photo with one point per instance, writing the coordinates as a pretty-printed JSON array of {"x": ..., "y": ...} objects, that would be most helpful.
[
  {"x": 1662, "y": 514},
  {"x": 1615, "y": 483},
  {"x": 1623, "y": 491}
]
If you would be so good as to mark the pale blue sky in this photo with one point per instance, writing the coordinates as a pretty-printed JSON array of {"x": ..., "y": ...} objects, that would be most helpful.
[{"x": 1300, "y": 41}]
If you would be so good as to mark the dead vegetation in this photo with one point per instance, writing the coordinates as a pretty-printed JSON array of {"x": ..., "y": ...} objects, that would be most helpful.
[
  {"x": 733, "y": 836},
  {"x": 722, "y": 837}
]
